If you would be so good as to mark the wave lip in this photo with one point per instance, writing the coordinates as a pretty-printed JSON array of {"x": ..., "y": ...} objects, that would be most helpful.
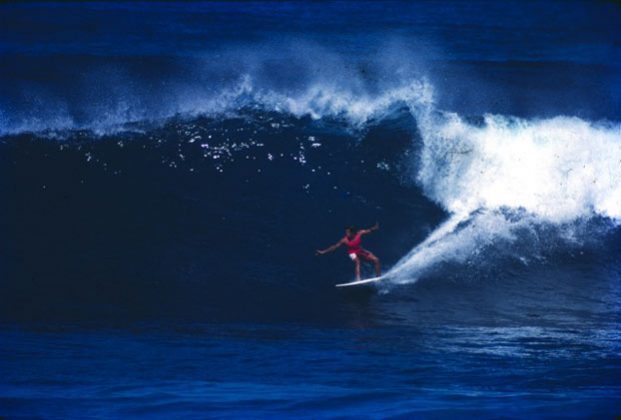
[{"x": 318, "y": 100}]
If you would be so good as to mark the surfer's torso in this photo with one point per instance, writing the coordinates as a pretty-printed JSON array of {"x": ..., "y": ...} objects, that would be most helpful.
[{"x": 353, "y": 245}]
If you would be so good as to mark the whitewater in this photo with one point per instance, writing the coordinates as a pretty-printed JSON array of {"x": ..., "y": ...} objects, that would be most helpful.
[{"x": 506, "y": 174}]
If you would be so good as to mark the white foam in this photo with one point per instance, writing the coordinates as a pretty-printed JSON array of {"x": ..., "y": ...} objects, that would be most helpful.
[
  {"x": 552, "y": 171},
  {"x": 559, "y": 169},
  {"x": 320, "y": 101}
]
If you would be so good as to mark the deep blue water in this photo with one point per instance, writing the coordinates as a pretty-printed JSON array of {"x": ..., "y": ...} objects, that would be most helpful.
[{"x": 167, "y": 172}]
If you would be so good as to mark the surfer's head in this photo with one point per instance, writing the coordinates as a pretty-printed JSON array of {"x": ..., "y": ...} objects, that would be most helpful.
[{"x": 351, "y": 231}]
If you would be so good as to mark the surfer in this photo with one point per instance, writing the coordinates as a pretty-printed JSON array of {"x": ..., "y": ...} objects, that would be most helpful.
[{"x": 353, "y": 239}]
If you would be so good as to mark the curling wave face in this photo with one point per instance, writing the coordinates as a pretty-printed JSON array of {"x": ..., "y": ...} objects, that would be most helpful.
[{"x": 496, "y": 177}]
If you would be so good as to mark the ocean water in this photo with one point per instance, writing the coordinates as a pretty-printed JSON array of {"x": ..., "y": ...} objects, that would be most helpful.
[{"x": 167, "y": 171}]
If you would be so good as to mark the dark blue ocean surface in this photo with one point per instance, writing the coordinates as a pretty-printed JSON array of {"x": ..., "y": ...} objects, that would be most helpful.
[{"x": 167, "y": 171}]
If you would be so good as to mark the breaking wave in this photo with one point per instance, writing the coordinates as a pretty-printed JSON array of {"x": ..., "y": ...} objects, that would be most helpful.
[{"x": 502, "y": 176}]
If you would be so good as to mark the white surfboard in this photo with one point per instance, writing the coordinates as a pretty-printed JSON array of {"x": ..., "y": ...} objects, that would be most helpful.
[{"x": 358, "y": 282}]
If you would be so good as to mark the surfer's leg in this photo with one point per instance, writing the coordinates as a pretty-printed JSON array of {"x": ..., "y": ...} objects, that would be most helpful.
[
  {"x": 376, "y": 262},
  {"x": 356, "y": 261},
  {"x": 357, "y": 265}
]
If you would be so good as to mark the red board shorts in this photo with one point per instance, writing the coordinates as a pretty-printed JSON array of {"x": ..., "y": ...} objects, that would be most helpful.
[{"x": 361, "y": 253}]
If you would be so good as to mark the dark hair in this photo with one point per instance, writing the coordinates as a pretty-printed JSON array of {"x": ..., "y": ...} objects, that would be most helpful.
[{"x": 354, "y": 229}]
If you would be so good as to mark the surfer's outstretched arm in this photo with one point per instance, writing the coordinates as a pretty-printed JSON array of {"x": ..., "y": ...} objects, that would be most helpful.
[
  {"x": 329, "y": 249},
  {"x": 369, "y": 230}
]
